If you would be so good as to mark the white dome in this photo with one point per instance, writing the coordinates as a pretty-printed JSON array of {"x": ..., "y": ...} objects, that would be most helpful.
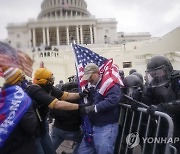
[{"x": 63, "y": 8}]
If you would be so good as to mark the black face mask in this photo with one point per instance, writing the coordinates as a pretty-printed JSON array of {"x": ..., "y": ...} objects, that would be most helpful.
[{"x": 163, "y": 94}]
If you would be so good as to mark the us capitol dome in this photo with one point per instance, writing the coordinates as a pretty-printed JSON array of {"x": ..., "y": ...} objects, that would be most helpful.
[
  {"x": 63, "y": 8},
  {"x": 59, "y": 22}
]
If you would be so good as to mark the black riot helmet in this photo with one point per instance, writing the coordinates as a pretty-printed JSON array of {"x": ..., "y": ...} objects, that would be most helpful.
[
  {"x": 132, "y": 81},
  {"x": 158, "y": 72},
  {"x": 132, "y": 71},
  {"x": 139, "y": 75}
]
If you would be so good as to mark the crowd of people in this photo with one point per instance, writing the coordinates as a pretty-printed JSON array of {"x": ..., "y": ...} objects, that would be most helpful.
[{"x": 159, "y": 89}]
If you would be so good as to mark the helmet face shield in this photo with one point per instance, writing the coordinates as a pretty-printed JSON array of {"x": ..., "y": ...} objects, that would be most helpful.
[{"x": 158, "y": 77}]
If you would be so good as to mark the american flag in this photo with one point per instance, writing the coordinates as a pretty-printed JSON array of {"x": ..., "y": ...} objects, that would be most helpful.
[
  {"x": 41, "y": 64},
  {"x": 109, "y": 71},
  {"x": 10, "y": 57},
  {"x": 65, "y": 6}
]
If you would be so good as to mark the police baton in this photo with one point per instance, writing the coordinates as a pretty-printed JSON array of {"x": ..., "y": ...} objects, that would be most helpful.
[{"x": 135, "y": 101}]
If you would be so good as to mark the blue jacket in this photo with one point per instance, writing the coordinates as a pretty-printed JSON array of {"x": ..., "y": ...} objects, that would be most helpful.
[{"x": 107, "y": 106}]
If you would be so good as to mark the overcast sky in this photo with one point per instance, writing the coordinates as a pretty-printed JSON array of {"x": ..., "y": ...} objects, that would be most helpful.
[{"x": 155, "y": 16}]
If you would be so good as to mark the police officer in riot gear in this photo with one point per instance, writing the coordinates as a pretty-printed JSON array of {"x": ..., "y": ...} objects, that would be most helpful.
[
  {"x": 164, "y": 88},
  {"x": 162, "y": 80},
  {"x": 133, "y": 87},
  {"x": 158, "y": 78}
]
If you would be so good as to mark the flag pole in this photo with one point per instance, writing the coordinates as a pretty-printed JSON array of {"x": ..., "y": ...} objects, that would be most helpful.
[{"x": 73, "y": 42}]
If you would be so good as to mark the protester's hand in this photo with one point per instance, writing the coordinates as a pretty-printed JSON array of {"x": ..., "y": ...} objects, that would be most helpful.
[
  {"x": 87, "y": 109},
  {"x": 83, "y": 105},
  {"x": 91, "y": 94},
  {"x": 84, "y": 93}
]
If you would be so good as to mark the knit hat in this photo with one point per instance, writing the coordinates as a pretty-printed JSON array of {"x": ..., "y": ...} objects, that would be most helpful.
[
  {"x": 13, "y": 75},
  {"x": 89, "y": 69},
  {"x": 42, "y": 75}
]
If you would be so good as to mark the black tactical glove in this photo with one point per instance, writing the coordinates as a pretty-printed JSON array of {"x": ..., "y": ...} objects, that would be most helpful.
[
  {"x": 160, "y": 107},
  {"x": 151, "y": 109},
  {"x": 172, "y": 107},
  {"x": 134, "y": 107},
  {"x": 84, "y": 93},
  {"x": 137, "y": 94},
  {"x": 87, "y": 109}
]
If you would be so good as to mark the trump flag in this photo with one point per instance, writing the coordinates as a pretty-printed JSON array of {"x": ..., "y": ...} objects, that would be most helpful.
[{"x": 14, "y": 102}]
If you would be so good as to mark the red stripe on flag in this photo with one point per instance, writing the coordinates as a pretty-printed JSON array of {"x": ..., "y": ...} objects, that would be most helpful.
[
  {"x": 110, "y": 77},
  {"x": 41, "y": 64},
  {"x": 5, "y": 60},
  {"x": 81, "y": 69},
  {"x": 25, "y": 63},
  {"x": 10, "y": 57}
]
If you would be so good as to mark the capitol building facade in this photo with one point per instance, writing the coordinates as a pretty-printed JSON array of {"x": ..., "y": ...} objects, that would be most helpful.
[
  {"x": 48, "y": 39},
  {"x": 60, "y": 22}
]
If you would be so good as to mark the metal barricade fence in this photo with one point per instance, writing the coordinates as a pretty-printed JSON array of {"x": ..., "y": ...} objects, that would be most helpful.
[{"x": 141, "y": 133}]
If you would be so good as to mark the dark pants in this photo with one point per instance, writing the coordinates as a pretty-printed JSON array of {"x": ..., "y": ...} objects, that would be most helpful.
[{"x": 43, "y": 143}]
